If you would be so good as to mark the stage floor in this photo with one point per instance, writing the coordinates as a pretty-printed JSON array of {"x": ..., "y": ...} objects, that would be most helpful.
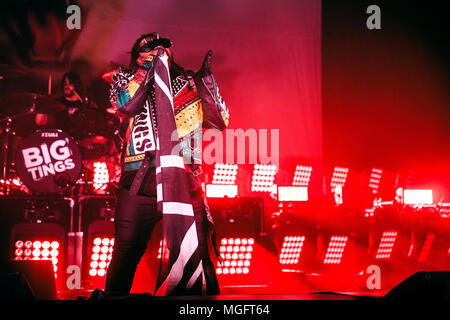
[{"x": 306, "y": 296}]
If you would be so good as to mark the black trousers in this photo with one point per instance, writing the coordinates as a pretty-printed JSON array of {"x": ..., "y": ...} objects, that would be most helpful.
[{"x": 136, "y": 216}]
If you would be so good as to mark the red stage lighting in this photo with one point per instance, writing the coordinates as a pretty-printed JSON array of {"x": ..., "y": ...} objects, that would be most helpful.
[
  {"x": 417, "y": 197},
  {"x": 369, "y": 212},
  {"x": 292, "y": 194},
  {"x": 291, "y": 250},
  {"x": 225, "y": 173},
  {"x": 302, "y": 175},
  {"x": 40, "y": 241},
  {"x": 101, "y": 177},
  {"x": 221, "y": 190},
  {"x": 13, "y": 185},
  {"x": 100, "y": 255},
  {"x": 335, "y": 250},
  {"x": 263, "y": 177},
  {"x": 237, "y": 255},
  {"x": 339, "y": 177},
  {"x": 99, "y": 245},
  {"x": 386, "y": 245},
  {"x": 374, "y": 180},
  {"x": 38, "y": 249}
]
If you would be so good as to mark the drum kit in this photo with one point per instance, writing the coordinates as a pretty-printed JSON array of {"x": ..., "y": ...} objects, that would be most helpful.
[{"x": 48, "y": 161}]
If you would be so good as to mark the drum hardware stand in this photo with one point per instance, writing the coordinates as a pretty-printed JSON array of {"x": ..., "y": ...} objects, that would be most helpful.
[
  {"x": 74, "y": 239},
  {"x": 77, "y": 237},
  {"x": 7, "y": 130},
  {"x": 39, "y": 214},
  {"x": 83, "y": 198}
]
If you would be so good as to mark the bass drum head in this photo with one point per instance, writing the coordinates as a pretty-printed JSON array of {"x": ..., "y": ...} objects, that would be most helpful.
[{"x": 48, "y": 160}]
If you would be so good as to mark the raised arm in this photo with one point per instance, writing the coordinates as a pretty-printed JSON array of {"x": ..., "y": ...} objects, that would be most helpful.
[
  {"x": 215, "y": 111},
  {"x": 129, "y": 91}
]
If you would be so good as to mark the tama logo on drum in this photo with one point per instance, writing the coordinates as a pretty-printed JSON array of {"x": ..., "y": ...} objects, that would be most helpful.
[
  {"x": 49, "y": 134},
  {"x": 48, "y": 159}
]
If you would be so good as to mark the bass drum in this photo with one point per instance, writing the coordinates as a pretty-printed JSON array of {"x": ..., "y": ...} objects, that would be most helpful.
[{"x": 48, "y": 161}]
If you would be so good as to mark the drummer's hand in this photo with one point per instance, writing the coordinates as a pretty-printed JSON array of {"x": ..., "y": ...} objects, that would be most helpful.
[{"x": 41, "y": 119}]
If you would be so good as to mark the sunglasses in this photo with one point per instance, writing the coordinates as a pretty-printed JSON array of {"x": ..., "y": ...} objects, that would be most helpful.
[{"x": 152, "y": 45}]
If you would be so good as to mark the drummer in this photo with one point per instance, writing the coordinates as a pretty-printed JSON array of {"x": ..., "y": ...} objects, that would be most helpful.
[
  {"x": 83, "y": 120},
  {"x": 73, "y": 99}
]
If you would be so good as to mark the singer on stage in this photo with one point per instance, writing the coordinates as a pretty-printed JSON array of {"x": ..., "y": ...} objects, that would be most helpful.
[{"x": 164, "y": 108}]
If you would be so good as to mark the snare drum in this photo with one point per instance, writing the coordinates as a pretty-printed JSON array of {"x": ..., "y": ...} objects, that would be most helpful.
[{"x": 47, "y": 161}]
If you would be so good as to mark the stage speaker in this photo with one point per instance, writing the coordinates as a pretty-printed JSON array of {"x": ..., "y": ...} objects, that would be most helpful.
[
  {"x": 40, "y": 276},
  {"x": 13, "y": 286},
  {"x": 424, "y": 285}
]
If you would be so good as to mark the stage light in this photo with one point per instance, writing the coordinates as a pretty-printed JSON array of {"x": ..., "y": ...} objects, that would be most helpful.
[
  {"x": 33, "y": 241},
  {"x": 97, "y": 241},
  {"x": 292, "y": 193},
  {"x": 335, "y": 250},
  {"x": 37, "y": 244},
  {"x": 225, "y": 173},
  {"x": 100, "y": 260},
  {"x": 221, "y": 191},
  {"x": 263, "y": 177},
  {"x": 369, "y": 212},
  {"x": 338, "y": 196},
  {"x": 241, "y": 240},
  {"x": 45, "y": 253},
  {"x": 302, "y": 176},
  {"x": 100, "y": 253},
  {"x": 37, "y": 253},
  {"x": 386, "y": 245},
  {"x": 417, "y": 196},
  {"x": 101, "y": 177},
  {"x": 96, "y": 255},
  {"x": 339, "y": 177},
  {"x": 291, "y": 250},
  {"x": 11, "y": 186},
  {"x": 374, "y": 180},
  {"x": 237, "y": 254}
]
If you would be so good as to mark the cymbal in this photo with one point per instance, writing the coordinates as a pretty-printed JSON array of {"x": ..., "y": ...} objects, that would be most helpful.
[{"x": 17, "y": 103}]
